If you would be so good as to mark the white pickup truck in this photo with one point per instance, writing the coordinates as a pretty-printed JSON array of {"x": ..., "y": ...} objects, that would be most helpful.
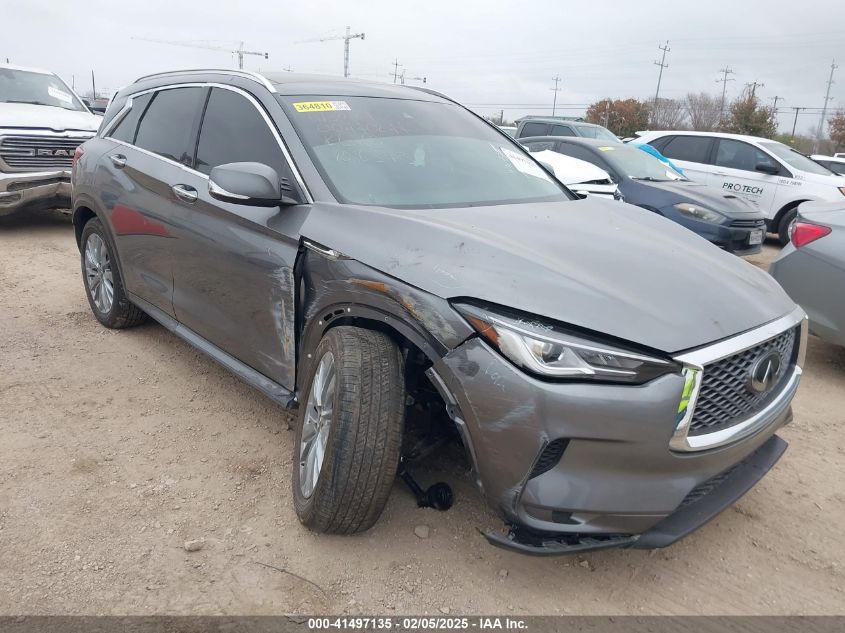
[{"x": 42, "y": 122}]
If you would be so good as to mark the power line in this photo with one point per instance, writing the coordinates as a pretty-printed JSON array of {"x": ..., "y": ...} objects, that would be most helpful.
[
  {"x": 662, "y": 63},
  {"x": 557, "y": 80}
]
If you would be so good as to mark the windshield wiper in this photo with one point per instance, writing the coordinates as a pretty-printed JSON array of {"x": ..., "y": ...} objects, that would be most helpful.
[{"x": 650, "y": 179}]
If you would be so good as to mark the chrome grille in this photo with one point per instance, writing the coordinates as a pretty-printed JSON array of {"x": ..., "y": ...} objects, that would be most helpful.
[
  {"x": 38, "y": 153},
  {"x": 725, "y": 398}
]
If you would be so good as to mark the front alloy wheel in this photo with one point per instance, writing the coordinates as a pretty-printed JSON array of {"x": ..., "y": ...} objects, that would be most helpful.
[
  {"x": 316, "y": 425},
  {"x": 349, "y": 431}
]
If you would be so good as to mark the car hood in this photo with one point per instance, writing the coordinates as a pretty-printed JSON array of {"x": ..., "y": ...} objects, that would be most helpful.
[
  {"x": 27, "y": 115},
  {"x": 597, "y": 264},
  {"x": 705, "y": 195},
  {"x": 571, "y": 171}
]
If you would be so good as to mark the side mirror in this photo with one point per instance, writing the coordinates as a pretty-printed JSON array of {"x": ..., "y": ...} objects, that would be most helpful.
[
  {"x": 768, "y": 168},
  {"x": 253, "y": 184}
]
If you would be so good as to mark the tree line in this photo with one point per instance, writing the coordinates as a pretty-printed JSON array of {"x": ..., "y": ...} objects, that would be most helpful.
[{"x": 702, "y": 112}]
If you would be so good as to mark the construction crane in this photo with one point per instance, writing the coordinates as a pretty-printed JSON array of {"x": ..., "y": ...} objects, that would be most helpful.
[
  {"x": 345, "y": 38},
  {"x": 240, "y": 52}
]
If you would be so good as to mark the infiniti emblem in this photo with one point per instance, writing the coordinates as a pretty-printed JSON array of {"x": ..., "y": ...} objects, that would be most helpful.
[{"x": 764, "y": 372}]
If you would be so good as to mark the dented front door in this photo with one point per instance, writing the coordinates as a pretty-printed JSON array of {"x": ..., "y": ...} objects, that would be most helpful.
[{"x": 233, "y": 280}]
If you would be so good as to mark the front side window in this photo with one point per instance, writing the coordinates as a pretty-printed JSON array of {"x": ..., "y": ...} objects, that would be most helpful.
[
  {"x": 738, "y": 155},
  {"x": 167, "y": 126},
  {"x": 23, "y": 86},
  {"x": 128, "y": 126},
  {"x": 233, "y": 131},
  {"x": 795, "y": 159},
  {"x": 694, "y": 149},
  {"x": 535, "y": 129},
  {"x": 405, "y": 153}
]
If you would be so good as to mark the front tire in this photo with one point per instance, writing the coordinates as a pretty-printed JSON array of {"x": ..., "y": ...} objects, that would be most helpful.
[
  {"x": 349, "y": 431},
  {"x": 103, "y": 284},
  {"x": 785, "y": 223}
]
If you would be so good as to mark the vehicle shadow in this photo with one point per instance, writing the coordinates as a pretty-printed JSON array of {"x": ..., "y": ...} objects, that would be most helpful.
[{"x": 36, "y": 221}]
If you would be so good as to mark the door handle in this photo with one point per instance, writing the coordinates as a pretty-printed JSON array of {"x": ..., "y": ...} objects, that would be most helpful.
[
  {"x": 719, "y": 173},
  {"x": 119, "y": 160},
  {"x": 185, "y": 193}
]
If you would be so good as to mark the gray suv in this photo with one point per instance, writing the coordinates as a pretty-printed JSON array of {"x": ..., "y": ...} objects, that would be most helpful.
[{"x": 400, "y": 273}]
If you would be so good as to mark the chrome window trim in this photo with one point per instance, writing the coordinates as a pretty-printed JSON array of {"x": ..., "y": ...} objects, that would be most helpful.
[
  {"x": 696, "y": 360},
  {"x": 247, "y": 74},
  {"x": 267, "y": 120}
]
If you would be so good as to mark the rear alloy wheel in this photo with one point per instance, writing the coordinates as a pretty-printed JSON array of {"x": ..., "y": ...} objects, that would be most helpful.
[
  {"x": 349, "y": 431},
  {"x": 103, "y": 284}
]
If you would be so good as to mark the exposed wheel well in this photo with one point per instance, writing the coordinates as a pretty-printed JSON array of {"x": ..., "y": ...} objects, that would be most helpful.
[{"x": 428, "y": 425}]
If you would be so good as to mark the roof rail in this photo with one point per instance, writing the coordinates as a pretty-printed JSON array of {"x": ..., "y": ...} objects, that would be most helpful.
[{"x": 227, "y": 71}]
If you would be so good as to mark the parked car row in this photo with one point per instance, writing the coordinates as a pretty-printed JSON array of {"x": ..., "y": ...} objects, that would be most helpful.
[
  {"x": 722, "y": 218},
  {"x": 770, "y": 175}
]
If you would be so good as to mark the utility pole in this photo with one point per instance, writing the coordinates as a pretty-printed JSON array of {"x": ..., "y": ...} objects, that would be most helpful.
[
  {"x": 820, "y": 131},
  {"x": 725, "y": 72},
  {"x": 396, "y": 65},
  {"x": 93, "y": 85},
  {"x": 557, "y": 80},
  {"x": 795, "y": 122},
  {"x": 775, "y": 106},
  {"x": 753, "y": 85},
  {"x": 662, "y": 63}
]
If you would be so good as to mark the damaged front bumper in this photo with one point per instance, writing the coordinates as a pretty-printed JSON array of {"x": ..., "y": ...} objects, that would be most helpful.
[
  {"x": 34, "y": 190},
  {"x": 700, "y": 506},
  {"x": 576, "y": 466}
]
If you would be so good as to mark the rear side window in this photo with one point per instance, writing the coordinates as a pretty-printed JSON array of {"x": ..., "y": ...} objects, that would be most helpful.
[
  {"x": 233, "y": 131},
  {"x": 695, "y": 149},
  {"x": 658, "y": 143},
  {"x": 167, "y": 126},
  {"x": 562, "y": 130},
  {"x": 738, "y": 155},
  {"x": 128, "y": 126},
  {"x": 535, "y": 129}
]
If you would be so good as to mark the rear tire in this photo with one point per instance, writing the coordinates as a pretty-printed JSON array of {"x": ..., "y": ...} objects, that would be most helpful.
[
  {"x": 101, "y": 277},
  {"x": 786, "y": 221},
  {"x": 362, "y": 402}
]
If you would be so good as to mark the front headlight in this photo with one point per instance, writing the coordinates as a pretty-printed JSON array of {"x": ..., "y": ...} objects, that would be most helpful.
[
  {"x": 547, "y": 350},
  {"x": 697, "y": 212}
]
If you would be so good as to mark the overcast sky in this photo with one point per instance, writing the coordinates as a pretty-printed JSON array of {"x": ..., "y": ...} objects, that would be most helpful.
[{"x": 489, "y": 55}]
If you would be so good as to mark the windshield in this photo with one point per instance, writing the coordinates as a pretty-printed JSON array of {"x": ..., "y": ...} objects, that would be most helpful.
[
  {"x": 636, "y": 164},
  {"x": 414, "y": 154},
  {"x": 21, "y": 86},
  {"x": 794, "y": 159},
  {"x": 596, "y": 131}
]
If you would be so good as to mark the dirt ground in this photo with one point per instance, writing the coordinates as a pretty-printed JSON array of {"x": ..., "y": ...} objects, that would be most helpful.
[{"x": 117, "y": 447}]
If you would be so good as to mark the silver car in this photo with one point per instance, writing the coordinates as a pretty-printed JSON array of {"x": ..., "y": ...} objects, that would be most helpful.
[
  {"x": 382, "y": 260},
  {"x": 811, "y": 268}
]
